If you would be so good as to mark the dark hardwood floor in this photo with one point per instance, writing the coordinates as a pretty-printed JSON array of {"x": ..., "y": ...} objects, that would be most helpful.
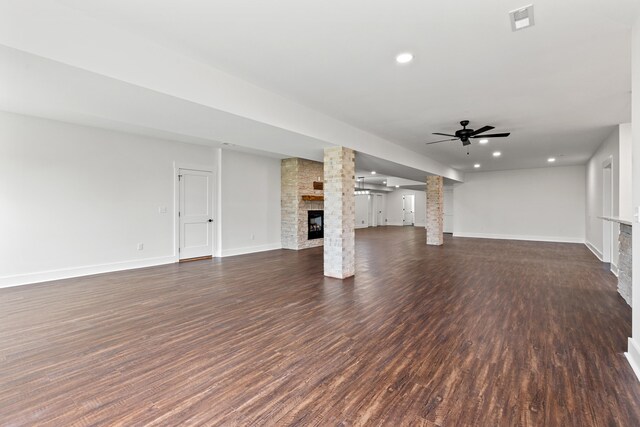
[{"x": 474, "y": 333}]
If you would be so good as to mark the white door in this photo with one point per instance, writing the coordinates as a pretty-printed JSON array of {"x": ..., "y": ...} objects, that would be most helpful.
[
  {"x": 448, "y": 209},
  {"x": 372, "y": 208},
  {"x": 407, "y": 210},
  {"x": 607, "y": 211},
  {"x": 195, "y": 214},
  {"x": 379, "y": 215}
]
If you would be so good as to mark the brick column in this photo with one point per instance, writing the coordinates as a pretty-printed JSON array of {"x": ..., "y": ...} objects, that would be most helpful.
[
  {"x": 339, "y": 212},
  {"x": 435, "y": 213}
]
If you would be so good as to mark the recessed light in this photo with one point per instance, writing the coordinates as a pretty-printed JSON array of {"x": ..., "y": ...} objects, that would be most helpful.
[
  {"x": 483, "y": 141},
  {"x": 551, "y": 159},
  {"x": 404, "y": 58},
  {"x": 497, "y": 154},
  {"x": 477, "y": 165},
  {"x": 397, "y": 186},
  {"x": 373, "y": 172},
  {"x": 384, "y": 182}
]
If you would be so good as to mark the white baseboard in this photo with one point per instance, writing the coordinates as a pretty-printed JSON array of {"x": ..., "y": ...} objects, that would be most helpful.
[
  {"x": 399, "y": 224},
  {"x": 633, "y": 356},
  {"x": 67, "y": 273},
  {"x": 251, "y": 249},
  {"x": 520, "y": 237},
  {"x": 614, "y": 269},
  {"x": 593, "y": 249}
]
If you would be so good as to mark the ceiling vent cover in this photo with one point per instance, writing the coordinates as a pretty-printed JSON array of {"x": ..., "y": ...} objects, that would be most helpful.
[{"x": 521, "y": 18}]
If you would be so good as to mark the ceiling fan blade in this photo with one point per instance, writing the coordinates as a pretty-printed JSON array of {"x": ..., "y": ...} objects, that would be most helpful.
[
  {"x": 444, "y": 134},
  {"x": 493, "y": 135},
  {"x": 482, "y": 129},
  {"x": 443, "y": 140}
]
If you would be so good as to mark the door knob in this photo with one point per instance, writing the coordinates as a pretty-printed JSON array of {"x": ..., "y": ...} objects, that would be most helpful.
[{"x": 210, "y": 220}]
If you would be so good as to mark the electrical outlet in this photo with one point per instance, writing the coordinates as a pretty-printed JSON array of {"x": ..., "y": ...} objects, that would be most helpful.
[
  {"x": 162, "y": 209},
  {"x": 140, "y": 246},
  {"x": 253, "y": 237}
]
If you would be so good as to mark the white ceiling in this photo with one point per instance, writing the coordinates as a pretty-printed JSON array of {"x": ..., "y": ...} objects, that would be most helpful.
[
  {"x": 293, "y": 77},
  {"x": 559, "y": 87}
]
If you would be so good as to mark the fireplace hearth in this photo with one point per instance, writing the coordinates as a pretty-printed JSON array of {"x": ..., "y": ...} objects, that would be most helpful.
[{"x": 315, "y": 224}]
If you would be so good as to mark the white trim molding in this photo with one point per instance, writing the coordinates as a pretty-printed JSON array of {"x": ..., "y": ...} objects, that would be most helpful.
[
  {"x": 633, "y": 356},
  {"x": 177, "y": 166},
  {"x": 251, "y": 249},
  {"x": 551, "y": 239},
  {"x": 614, "y": 269},
  {"x": 68, "y": 273},
  {"x": 593, "y": 249}
]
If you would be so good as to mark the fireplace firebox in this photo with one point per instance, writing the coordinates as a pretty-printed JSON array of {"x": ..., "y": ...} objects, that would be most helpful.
[{"x": 316, "y": 224}]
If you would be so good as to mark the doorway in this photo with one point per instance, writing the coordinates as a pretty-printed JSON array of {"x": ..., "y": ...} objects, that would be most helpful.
[
  {"x": 379, "y": 215},
  {"x": 195, "y": 214},
  {"x": 448, "y": 209},
  {"x": 408, "y": 205},
  {"x": 607, "y": 211}
]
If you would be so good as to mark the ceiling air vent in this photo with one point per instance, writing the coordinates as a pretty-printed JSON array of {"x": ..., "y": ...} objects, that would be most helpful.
[{"x": 521, "y": 18}]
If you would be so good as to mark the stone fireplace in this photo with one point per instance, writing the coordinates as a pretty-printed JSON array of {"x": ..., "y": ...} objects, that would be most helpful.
[{"x": 299, "y": 196}]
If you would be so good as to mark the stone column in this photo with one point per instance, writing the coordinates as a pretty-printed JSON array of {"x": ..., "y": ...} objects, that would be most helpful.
[
  {"x": 289, "y": 200},
  {"x": 625, "y": 261},
  {"x": 435, "y": 213},
  {"x": 339, "y": 212}
]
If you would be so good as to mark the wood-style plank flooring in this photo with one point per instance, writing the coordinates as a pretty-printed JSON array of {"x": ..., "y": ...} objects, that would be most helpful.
[{"x": 474, "y": 333}]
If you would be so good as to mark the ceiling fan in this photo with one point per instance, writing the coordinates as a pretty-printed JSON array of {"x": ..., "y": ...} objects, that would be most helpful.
[{"x": 465, "y": 134}]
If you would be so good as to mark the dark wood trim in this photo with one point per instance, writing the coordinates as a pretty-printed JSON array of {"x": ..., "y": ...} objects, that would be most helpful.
[{"x": 312, "y": 198}]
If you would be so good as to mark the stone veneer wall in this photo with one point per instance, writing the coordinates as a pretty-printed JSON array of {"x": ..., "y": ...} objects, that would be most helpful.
[
  {"x": 624, "y": 262},
  {"x": 339, "y": 212},
  {"x": 297, "y": 177},
  {"x": 435, "y": 212}
]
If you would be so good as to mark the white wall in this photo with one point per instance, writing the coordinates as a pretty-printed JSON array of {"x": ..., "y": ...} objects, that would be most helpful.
[
  {"x": 634, "y": 343},
  {"x": 250, "y": 203},
  {"x": 594, "y": 194},
  {"x": 625, "y": 206},
  {"x": 447, "y": 208},
  {"x": 380, "y": 204},
  {"x": 362, "y": 210},
  {"x": 544, "y": 204},
  {"x": 367, "y": 206},
  {"x": 77, "y": 200},
  {"x": 394, "y": 207}
]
